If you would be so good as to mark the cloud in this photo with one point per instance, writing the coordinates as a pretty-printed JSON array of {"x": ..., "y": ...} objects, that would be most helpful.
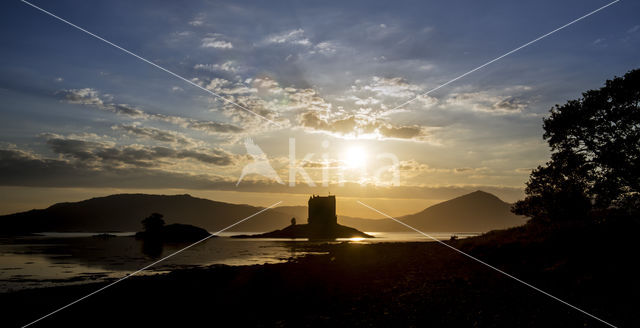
[
  {"x": 341, "y": 126},
  {"x": 488, "y": 102},
  {"x": 354, "y": 126},
  {"x": 21, "y": 168},
  {"x": 311, "y": 111},
  {"x": 100, "y": 154},
  {"x": 86, "y": 96},
  {"x": 379, "y": 96},
  {"x": 523, "y": 170},
  {"x": 128, "y": 110},
  {"x": 395, "y": 87},
  {"x": 427, "y": 67},
  {"x": 198, "y": 20},
  {"x": 214, "y": 127},
  {"x": 326, "y": 48},
  {"x": 600, "y": 42},
  {"x": 412, "y": 168},
  {"x": 156, "y": 134},
  {"x": 291, "y": 37},
  {"x": 510, "y": 104},
  {"x": 228, "y": 66},
  {"x": 225, "y": 87},
  {"x": 91, "y": 97},
  {"x": 401, "y": 132},
  {"x": 214, "y": 41},
  {"x": 262, "y": 96}
]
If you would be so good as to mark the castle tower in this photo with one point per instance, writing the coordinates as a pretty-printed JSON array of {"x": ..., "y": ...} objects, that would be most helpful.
[{"x": 322, "y": 210}]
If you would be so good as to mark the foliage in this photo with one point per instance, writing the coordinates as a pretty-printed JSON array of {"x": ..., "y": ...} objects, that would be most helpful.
[
  {"x": 595, "y": 160},
  {"x": 153, "y": 222}
]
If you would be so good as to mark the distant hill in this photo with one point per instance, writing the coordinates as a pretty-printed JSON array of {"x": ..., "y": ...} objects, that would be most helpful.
[
  {"x": 123, "y": 212},
  {"x": 475, "y": 212},
  {"x": 478, "y": 211}
]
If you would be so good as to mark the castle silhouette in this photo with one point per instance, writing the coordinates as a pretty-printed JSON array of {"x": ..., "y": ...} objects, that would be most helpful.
[
  {"x": 322, "y": 223},
  {"x": 322, "y": 211}
]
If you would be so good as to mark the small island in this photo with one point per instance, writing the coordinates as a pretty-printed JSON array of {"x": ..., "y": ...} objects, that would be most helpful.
[
  {"x": 322, "y": 224},
  {"x": 156, "y": 230}
]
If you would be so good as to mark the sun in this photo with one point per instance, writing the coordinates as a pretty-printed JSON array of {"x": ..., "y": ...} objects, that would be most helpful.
[{"x": 355, "y": 157}]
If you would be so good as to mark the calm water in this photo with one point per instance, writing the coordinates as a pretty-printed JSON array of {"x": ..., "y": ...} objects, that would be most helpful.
[{"x": 72, "y": 258}]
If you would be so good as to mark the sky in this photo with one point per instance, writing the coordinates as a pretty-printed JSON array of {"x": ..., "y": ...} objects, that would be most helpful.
[{"x": 317, "y": 91}]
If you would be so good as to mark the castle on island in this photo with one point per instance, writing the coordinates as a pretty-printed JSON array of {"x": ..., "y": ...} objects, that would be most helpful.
[
  {"x": 322, "y": 211},
  {"x": 322, "y": 224}
]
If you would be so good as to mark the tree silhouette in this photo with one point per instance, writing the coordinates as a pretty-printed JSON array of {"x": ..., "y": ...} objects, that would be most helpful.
[
  {"x": 595, "y": 160},
  {"x": 153, "y": 222}
]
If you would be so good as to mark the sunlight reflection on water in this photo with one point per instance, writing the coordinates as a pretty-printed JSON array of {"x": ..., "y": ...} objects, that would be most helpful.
[{"x": 72, "y": 258}]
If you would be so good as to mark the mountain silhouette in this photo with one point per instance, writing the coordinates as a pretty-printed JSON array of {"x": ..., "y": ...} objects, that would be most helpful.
[
  {"x": 475, "y": 212},
  {"x": 123, "y": 212},
  {"x": 478, "y": 211}
]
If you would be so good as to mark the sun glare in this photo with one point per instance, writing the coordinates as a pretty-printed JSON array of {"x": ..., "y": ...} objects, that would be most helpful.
[{"x": 355, "y": 157}]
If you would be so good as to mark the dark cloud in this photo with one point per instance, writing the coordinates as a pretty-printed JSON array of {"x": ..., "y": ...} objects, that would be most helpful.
[
  {"x": 492, "y": 101},
  {"x": 18, "y": 168},
  {"x": 98, "y": 154},
  {"x": 79, "y": 149},
  {"x": 128, "y": 110},
  {"x": 510, "y": 104},
  {"x": 342, "y": 126},
  {"x": 214, "y": 127}
]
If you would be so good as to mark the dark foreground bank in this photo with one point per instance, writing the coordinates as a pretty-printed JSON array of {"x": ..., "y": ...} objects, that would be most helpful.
[{"x": 394, "y": 284}]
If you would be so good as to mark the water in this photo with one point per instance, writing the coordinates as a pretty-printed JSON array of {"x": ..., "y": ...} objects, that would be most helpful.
[{"x": 54, "y": 259}]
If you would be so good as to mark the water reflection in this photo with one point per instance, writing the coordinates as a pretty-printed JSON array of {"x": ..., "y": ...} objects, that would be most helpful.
[
  {"x": 152, "y": 248},
  {"x": 49, "y": 260}
]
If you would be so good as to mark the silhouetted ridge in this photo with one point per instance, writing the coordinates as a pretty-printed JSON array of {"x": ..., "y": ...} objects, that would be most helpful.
[
  {"x": 122, "y": 212},
  {"x": 478, "y": 211}
]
